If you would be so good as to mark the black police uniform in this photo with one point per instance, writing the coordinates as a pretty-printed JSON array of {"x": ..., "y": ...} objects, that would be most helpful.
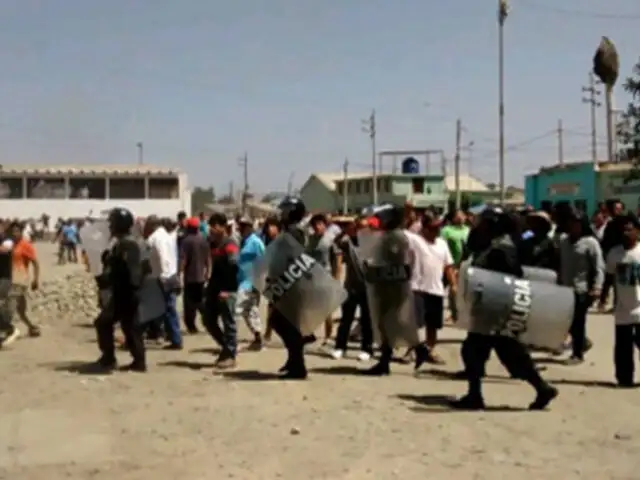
[
  {"x": 392, "y": 219},
  {"x": 123, "y": 274},
  {"x": 500, "y": 256},
  {"x": 292, "y": 211}
]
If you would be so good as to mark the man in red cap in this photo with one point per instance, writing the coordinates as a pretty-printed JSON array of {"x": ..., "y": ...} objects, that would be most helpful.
[{"x": 195, "y": 265}]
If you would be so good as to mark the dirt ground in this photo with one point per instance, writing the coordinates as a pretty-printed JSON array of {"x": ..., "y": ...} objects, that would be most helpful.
[{"x": 180, "y": 420}]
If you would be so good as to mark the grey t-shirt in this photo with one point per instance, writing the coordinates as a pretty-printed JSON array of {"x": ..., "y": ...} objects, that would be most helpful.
[
  {"x": 323, "y": 250},
  {"x": 626, "y": 266}
]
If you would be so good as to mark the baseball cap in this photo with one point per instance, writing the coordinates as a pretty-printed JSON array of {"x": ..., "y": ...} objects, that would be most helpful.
[{"x": 193, "y": 222}]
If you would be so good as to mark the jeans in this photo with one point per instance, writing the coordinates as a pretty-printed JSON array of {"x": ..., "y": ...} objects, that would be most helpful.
[
  {"x": 247, "y": 308},
  {"x": 222, "y": 310},
  {"x": 353, "y": 301},
  {"x": 172, "y": 321},
  {"x": 578, "y": 328}
]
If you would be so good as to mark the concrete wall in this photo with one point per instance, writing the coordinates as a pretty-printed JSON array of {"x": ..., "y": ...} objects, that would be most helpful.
[
  {"x": 576, "y": 183},
  {"x": 76, "y": 208}
]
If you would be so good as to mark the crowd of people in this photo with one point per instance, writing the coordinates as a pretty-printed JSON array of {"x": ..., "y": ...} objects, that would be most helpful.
[{"x": 211, "y": 261}]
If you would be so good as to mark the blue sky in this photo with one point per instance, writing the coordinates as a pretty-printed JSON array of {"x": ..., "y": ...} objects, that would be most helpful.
[{"x": 201, "y": 81}]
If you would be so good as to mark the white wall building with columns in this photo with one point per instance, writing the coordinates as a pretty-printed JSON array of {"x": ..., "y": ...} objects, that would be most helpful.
[{"x": 74, "y": 191}]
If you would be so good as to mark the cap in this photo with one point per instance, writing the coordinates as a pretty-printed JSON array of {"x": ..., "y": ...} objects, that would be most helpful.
[
  {"x": 245, "y": 221},
  {"x": 193, "y": 222},
  {"x": 374, "y": 222}
]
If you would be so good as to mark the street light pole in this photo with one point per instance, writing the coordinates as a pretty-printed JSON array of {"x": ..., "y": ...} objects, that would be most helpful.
[
  {"x": 503, "y": 12},
  {"x": 369, "y": 127},
  {"x": 140, "y": 153}
]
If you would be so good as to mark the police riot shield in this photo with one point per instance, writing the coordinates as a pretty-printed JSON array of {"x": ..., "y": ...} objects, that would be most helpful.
[
  {"x": 536, "y": 312},
  {"x": 298, "y": 287},
  {"x": 540, "y": 274},
  {"x": 95, "y": 238},
  {"x": 386, "y": 264}
]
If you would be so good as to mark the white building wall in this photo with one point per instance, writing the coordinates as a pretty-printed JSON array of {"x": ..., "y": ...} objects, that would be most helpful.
[{"x": 74, "y": 208}]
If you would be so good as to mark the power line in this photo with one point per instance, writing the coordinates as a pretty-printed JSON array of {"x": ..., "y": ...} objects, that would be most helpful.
[{"x": 579, "y": 12}]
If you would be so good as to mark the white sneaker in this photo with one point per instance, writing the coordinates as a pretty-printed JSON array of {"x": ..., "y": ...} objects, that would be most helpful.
[
  {"x": 12, "y": 337},
  {"x": 337, "y": 354},
  {"x": 364, "y": 357}
]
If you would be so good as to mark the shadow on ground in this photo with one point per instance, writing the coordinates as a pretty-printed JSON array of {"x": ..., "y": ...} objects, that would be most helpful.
[
  {"x": 438, "y": 403},
  {"x": 340, "y": 370},
  {"x": 186, "y": 364},
  {"x": 249, "y": 375},
  {"x": 77, "y": 366}
]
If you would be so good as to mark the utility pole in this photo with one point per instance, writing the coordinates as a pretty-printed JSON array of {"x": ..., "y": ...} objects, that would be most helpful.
[
  {"x": 369, "y": 127},
  {"x": 140, "y": 147},
  {"x": 503, "y": 13},
  {"x": 560, "y": 143},
  {"x": 592, "y": 99},
  {"x": 290, "y": 183},
  {"x": 456, "y": 163},
  {"x": 345, "y": 186},
  {"x": 244, "y": 163},
  {"x": 232, "y": 192}
]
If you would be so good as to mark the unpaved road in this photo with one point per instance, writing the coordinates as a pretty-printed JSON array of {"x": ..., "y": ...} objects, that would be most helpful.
[{"x": 181, "y": 421}]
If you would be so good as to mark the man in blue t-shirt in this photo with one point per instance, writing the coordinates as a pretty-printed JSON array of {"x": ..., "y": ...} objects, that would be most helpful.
[{"x": 69, "y": 242}]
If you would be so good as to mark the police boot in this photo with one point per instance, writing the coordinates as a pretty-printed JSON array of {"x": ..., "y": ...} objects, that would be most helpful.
[
  {"x": 107, "y": 363},
  {"x": 295, "y": 368},
  {"x": 473, "y": 399},
  {"x": 383, "y": 367}
]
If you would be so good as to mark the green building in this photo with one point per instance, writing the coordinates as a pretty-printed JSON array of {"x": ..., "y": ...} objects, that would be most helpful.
[{"x": 327, "y": 191}]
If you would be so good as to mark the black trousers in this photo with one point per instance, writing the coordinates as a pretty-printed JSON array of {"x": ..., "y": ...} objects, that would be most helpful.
[
  {"x": 607, "y": 285},
  {"x": 193, "y": 302},
  {"x": 578, "y": 328},
  {"x": 353, "y": 301},
  {"x": 105, "y": 324},
  {"x": 512, "y": 354},
  {"x": 291, "y": 338},
  {"x": 626, "y": 338}
]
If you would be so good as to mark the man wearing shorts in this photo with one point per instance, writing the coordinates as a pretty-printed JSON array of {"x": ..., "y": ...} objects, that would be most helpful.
[
  {"x": 432, "y": 260},
  {"x": 23, "y": 255}
]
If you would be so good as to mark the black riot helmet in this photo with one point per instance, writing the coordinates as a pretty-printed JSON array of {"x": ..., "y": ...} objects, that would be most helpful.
[
  {"x": 390, "y": 216},
  {"x": 120, "y": 221},
  {"x": 292, "y": 210}
]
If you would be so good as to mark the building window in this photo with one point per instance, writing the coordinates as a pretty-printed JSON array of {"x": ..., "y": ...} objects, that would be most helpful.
[
  {"x": 83, "y": 188},
  {"x": 11, "y": 187},
  {"x": 43, "y": 188},
  {"x": 357, "y": 186},
  {"x": 126, "y": 188},
  {"x": 379, "y": 185},
  {"x": 417, "y": 186},
  {"x": 366, "y": 186},
  {"x": 164, "y": 188},
  {"x": 387, "y": 185},
  {"x": 340, "y": 188}
]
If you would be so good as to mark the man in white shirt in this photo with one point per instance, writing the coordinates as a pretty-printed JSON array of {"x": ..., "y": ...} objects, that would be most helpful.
[
  {"x": 164, "y": 266},
  {"x": 432, "y": 260},
  {"x": 623, "y": 261}
]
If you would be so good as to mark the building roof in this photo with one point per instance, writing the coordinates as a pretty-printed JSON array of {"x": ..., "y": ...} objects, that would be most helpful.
[
  {"x": 468, "y": 183},
  {"x": 87, "y": 170}
]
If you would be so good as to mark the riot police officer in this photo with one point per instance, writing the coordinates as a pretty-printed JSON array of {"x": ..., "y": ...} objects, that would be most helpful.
[
  {"x": 292, "y": 211},
  {"x": 500, "y": 255},
  {"x": 123, "y": 275},
  {"x": 391, "y": 219}
]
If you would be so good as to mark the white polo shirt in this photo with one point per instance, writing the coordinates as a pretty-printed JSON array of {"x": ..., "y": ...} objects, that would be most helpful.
[{"x": 164, "y": 254}]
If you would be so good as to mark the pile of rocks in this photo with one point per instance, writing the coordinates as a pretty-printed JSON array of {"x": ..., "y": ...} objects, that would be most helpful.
[{"x": 70, "y": 295}]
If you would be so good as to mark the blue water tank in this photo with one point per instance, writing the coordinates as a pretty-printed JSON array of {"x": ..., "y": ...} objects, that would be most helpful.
[{"x": 410, "y": 166}]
